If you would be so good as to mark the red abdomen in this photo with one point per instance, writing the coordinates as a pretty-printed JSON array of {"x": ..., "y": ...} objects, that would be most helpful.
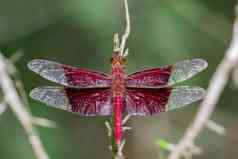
[
  {"x": 118, "y": 119},
  {"x": 118, "y": 91}
]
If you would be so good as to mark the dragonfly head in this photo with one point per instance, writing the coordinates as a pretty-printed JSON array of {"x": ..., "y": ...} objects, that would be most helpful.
[{"x": 118, "y": 59}]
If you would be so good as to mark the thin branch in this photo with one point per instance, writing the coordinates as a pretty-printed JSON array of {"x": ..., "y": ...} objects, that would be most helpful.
[
  {"x": 115, "y": 149},
  {"x": 126, "y": 118},
  {"x": 15, "y": 103},
  {"x": 127, "y": 30},
  {"x": 216, "y": 86},
  {"x": 12, "y": 70}
]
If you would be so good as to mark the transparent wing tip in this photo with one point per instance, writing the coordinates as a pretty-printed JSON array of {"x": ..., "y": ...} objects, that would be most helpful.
[
  {"x": 36, "y": 93},
  {"x": 186, "y": 69},
  {"x": 184, "y": 95},
  {"x": 200, "y": 63},
  {"x": 51, "y": 96},
  {"x": 35, "y": 64}
]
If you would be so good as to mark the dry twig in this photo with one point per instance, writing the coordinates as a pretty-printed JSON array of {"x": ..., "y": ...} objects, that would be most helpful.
[
  {"x": 216, "y": 86},
  {"x": 12, "y": 98},
  {"x": 115, "y": 149},
  {"x": 127, "y": 30}
]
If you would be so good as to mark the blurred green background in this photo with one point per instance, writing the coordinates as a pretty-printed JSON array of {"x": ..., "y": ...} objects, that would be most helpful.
[{"x": 79, "y": 33}]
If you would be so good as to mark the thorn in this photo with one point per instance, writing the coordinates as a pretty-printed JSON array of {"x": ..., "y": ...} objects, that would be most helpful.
[
  {"x": 120, "y": 148},
  {"x": 125, "y": 128},
  {"x": 109, "y": 129},
  {"x": 126, "y": 53},
  {"x": 43, "y": 122},
  {"x": 219, "y": 129},
  {"x": 126, "y": 118}
]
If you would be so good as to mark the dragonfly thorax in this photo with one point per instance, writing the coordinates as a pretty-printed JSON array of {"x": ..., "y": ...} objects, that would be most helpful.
[{"x": 118, "y": 79}]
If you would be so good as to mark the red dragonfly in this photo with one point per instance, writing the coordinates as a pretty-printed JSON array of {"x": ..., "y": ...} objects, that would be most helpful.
[{"x": 91, "y": 93}]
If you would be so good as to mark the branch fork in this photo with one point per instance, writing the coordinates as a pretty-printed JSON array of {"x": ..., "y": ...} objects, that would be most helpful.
[{"x": 217, "y": 84}]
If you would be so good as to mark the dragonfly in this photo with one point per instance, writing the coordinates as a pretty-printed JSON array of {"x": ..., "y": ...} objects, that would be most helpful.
[{"x": 92, "y": 93}]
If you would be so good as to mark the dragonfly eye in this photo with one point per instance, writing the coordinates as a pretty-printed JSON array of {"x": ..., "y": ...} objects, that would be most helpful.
[
  {"x": 113, "y": 61},
  {"x": 120, "y": 60}
]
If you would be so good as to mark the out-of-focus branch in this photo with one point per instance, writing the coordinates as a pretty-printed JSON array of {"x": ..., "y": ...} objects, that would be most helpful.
[
  {"x": 20, "y": 88},
  {"x": 17, "y": 56},
  {"x": 217, "y": 128},
  {"x": 12, "y": 98},
  {"x": 216, "y": 86},
  {"x": 3, "y": 107},
  {"x": 43, "y": 122},
  {"x": 165, "y": 145}
]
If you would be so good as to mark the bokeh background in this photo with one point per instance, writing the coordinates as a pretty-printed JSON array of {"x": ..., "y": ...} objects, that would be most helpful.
[{"x": 79, "y": 33}]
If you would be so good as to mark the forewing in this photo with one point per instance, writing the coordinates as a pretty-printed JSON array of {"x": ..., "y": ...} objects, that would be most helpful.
[
  {"x": 153, "y": 101},
  {"x": 167, "y": 75},
  {"x": 68, "y": 75},
  {"x": 86, "y": 102}
]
